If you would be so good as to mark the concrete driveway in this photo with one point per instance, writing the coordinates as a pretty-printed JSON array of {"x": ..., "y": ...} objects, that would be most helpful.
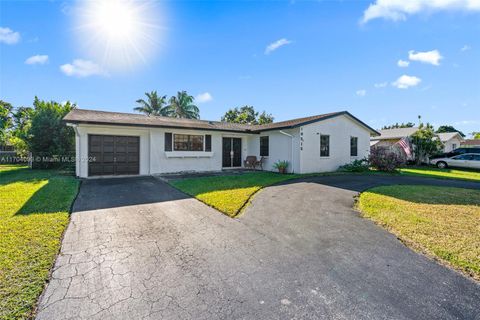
[{"x": 138, "y": 249}]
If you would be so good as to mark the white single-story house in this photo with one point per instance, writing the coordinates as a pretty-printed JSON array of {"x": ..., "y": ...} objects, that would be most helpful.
[
  {"x": 450, "y": 140},
  {"x": 111, "y": 143}
]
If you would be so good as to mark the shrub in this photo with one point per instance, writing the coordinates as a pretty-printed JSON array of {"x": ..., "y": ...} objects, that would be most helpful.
[
  {"x": 384, "y": 159},
  {"x": 281, "y": 166},
  {"x": 361, "y": 165}
]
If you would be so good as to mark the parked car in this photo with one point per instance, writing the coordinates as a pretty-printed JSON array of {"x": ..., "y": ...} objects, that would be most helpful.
[
  {"x": 466, "y": 160},
  {"x": 456, "y": 152}
]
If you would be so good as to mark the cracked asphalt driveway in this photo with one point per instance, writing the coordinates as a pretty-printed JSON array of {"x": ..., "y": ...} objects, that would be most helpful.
[{"x": 138, "y": 249}]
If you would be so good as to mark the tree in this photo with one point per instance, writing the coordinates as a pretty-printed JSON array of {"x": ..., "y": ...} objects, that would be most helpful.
[
  {"x": 5, "y": 120},
  {"x": 401, "y": 125},
  {"x": 446, "y": 128},
  {"x": 48, "y": 135},
  {"x": 265, "y": 118},
  {"x": 181, "y": 106},
  {"x": 476, "y": 135},
  {"x": 247, "y": 115},
  {"x": 154, "y": 105},
  {"x": 425, "y": 143}
]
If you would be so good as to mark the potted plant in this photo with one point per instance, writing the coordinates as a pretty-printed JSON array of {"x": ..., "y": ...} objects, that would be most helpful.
[{"x": 281, "y": 166}]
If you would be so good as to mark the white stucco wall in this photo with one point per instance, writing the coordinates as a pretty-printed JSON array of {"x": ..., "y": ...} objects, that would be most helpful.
[
  {"x": 82, "y": 145},
  {"x": 164, "y": 162},
  {"x": 449, "y": 145},
  {"x": 280, "y": 148},
  {"x": 340, "y": 129},
  {"x": 153, "y": 158}
]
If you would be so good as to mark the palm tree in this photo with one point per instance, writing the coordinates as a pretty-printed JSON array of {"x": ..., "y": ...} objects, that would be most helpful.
[
  {"x": 181, "y": 106},
  {"x": 155, "y": 105}
]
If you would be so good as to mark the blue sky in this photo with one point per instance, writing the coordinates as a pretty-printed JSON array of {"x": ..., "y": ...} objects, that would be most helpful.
[{"x": 325, "y": 56}]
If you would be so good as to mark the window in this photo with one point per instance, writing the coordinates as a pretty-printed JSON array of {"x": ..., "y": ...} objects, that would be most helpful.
[
  {"x": 464, "y": 157},
  {"x": 353, "y": 146},
  {"x": 454, "y": 146},
  {"x": 324, "y": 146},
  {"x": 187, "y": 142},
  {"x": 264, "y": 146}
]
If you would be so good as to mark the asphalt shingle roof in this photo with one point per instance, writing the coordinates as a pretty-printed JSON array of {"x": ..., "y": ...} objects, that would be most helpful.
[
  {"x": 397, "y": 133},
  {"x": 132, "y": 119},
  {"x": 445, "y": 136}
]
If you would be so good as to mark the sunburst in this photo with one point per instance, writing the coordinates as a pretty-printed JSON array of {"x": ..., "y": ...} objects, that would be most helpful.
[{"x": 119, "y": 33}]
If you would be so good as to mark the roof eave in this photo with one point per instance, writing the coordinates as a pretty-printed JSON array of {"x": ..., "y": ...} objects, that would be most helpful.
[{"x": 136, "y": 125}]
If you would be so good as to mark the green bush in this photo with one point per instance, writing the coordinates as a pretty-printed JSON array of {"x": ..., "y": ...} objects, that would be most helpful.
[{"x": 361, "y": 165}]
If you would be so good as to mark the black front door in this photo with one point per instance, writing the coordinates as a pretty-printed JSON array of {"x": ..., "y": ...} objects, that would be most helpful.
[{"x": 232, "y": 152}]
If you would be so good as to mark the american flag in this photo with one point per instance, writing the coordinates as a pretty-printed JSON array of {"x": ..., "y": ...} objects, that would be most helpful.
[{"x": 405, "y": 144}]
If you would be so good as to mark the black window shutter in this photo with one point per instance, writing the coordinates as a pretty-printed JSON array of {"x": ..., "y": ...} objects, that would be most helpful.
[
  {"x": 168, "y": 141},
  {"x": 208, "y": 142}
]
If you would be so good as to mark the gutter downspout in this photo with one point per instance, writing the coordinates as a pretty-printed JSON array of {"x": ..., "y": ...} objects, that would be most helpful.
[
  {"x": 77, "y": 156},
  {"x": 291, "y": 136}
]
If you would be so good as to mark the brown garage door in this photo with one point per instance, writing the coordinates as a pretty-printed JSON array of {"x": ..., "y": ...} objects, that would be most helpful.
[{"x": 113, "y": 155}]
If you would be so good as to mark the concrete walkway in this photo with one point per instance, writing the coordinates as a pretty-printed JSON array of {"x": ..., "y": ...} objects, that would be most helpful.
[{"x": 138, "y": 249}]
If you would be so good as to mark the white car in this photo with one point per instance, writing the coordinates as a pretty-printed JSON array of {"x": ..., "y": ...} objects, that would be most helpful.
[{"x": 466, "y": 160}]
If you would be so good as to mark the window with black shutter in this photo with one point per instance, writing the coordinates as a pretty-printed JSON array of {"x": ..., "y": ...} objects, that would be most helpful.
[
  {"x": 264, "y": 146},
  {"x": 353, "y": 146},
  {"x": 168, "y": 141},
  {"x": 208, "y": 143},
  {"x": 324, "y": 146}
]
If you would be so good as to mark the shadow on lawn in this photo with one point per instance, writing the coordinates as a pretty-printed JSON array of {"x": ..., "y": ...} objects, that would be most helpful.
[{"x": 55, "y": 196}]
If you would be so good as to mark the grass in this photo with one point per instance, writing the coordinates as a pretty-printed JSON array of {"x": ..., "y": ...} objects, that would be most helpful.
[
  {"x": 442, "y": 173},
  {"x": 34, "y": 212},
  {"x": 230, "y": 193},
  {"x": 440, "y": 221}
]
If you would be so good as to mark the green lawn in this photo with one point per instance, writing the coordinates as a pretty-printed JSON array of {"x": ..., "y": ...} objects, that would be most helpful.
[
  {"x": 440, "y": 221},
  {"x": 34, "y": 212},
  {"x": 442, "y": 173},
  {"x": 230, "y": 193}
]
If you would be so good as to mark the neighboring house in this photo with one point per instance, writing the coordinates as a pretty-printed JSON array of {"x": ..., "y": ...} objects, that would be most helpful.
[
  {"x": 123, "y": 143},
  {"x": 450, "y": 140},
  {"x": 470, "y": 143},
  {"x": 390, "y": 137}
]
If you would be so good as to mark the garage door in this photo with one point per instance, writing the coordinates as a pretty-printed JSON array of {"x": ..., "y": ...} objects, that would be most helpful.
[{"x": 113, "y": 155}]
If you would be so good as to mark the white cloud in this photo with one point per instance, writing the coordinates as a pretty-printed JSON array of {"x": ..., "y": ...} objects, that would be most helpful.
[
  {"x": 404, "y": 82},
  {"x": 465, "y": 48},
  {"x": 8, "y": 36},
  {"x": 361, "y": 92},
  {"x": 37, "y": 59},
  {"x": 204, "y": 97},
  {"x": 277, "y": 44},
  {"x": 398, "y": 10},
  {"x": 431, "y": 57},
  {"x": 82, "y": 68},
  {"x": 402, "y": 63},
  {"x": 380, "y": 85}
]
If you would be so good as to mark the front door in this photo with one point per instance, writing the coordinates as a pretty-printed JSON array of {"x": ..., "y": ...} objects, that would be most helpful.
[{"x": 232, "y": 152}]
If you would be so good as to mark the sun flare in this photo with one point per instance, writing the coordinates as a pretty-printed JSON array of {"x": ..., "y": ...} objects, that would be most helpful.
[{"x": 119, "y": 33}]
